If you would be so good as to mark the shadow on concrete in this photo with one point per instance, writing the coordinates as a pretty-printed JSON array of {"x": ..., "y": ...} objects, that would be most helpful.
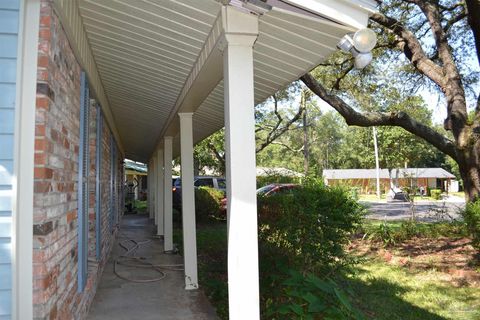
[{"x": 161, "y": 300}]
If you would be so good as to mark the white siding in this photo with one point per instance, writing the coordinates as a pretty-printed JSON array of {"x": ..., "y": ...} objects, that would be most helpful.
[{"x": 9, "y": 15}]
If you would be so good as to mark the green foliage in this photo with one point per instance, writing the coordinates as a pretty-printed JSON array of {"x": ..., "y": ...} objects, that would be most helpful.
[
  {"x": 395, "y": 232},
  {"x": 207, "y": 203},
  {"x": 310, "y": 225},
  {"x": 140, "y": 205},
  {"x": 436, "y": 194},
  {"x": 310, "y": 297},
  {"x": 209, "y": 153},
  {"x": 471, "y": 216},
  {"x": 385, "y": 234},
  {"x": 302, "y": 234}
]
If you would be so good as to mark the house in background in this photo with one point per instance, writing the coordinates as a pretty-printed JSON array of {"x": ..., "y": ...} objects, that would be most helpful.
[
  {"x": 135, "y": 180},
  {"x": 428, "y": 178},
  {"x": 365, "y": 179},
  {"x": 85, "y": 84}
]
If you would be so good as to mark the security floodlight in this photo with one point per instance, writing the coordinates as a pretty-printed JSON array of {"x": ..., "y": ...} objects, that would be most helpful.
[
  {"x": 359, "y": 45},
  {"x": 362, "y": 60},
  {"x": 345, "y": 44},
  {"x": 364, "y": 40}
]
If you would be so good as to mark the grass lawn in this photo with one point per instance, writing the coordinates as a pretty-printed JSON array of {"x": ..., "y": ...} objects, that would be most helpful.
[
  {"x": 390, "y": 292},
  {"x": 371, "y": 197},
  {"x": 386, "y": 284}
]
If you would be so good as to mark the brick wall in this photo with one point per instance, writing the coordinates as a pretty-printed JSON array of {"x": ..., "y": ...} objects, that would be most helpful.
[{"x": 55, "y": 253}]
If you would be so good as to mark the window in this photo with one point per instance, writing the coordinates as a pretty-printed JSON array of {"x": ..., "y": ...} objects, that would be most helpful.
[
  {"x": 204, "y": 182},
  {"x": 222, "y": 184}
]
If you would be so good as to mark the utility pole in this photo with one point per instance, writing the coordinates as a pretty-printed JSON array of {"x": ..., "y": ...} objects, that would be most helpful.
[
  {"x": 377, "y": 164},
  {"x": 306, "y": 151}
]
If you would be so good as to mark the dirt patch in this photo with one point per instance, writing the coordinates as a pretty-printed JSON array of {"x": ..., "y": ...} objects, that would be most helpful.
[{"x": 456, "y": 259}]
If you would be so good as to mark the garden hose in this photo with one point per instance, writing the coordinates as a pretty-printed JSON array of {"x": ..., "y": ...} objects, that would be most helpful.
[{"x": 129, "y": 259}]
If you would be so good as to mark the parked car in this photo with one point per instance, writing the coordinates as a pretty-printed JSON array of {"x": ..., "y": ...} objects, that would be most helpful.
[
  {"x": 267, "y": 191},
  {"x": 199, "y": 181}
]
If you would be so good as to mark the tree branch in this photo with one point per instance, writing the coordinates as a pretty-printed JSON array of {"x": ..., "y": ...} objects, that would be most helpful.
[
  {"x": 288, "y": 147},
  {"x": 336, "y": 85},
  {"x": 473, "y": 7},
  {"x": 276, "y": 132},
  {"x": 367, "y": 119},
  {"x": 412, "y": 48},
  {"x": 450, "y": 22},
  {"x": 220, "y": 158}
]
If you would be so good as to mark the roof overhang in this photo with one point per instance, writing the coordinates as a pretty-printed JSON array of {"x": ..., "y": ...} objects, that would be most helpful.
[{"x": 150, "y": 59}]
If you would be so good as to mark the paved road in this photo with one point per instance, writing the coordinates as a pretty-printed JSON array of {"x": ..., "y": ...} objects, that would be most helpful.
[{"x": 425, "y": 211}]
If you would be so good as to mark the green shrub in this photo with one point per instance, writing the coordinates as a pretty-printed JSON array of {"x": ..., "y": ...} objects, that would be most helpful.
[
  {"x": 385, "y": 234},
  {"x": 355, "y": 191},
  {"x": 436, "y": 194},
  {"x": 311, "y": 225},
  {"x": 309, "y": 297},
  {"x": 207, "y": 203},
  {"x": 471, "y": 216}
]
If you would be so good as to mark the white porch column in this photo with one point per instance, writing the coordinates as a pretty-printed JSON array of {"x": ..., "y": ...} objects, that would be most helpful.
[
  {"x": 188, "y": 202},
  {"x": 159, "y": 195},
  {"x": 243, "y": 282},
  {"x": 155, "y": 187},
  {"x": 167, "y": 194},
  {"x": 150, "y": 189}
]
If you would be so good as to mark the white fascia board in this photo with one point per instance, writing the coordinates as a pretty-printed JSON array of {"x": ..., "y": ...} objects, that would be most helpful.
[{"x": 353, "y": 13}]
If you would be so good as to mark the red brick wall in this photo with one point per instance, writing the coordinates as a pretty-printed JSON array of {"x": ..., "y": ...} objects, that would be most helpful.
[{"x": 56, "y": 176}]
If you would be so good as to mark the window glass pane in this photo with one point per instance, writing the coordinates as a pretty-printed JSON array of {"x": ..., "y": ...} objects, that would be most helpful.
[
  {"x": 205, "y": 182},
  {"x": 221, "y": 183},
  {"x": 265, "y": 189}
]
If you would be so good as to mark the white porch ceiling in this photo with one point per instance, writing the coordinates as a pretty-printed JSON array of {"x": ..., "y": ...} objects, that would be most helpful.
[{"x": 144, "y": 51}]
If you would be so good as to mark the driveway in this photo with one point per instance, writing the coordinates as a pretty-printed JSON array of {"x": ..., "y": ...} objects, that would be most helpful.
[{"x": 424, "y": 210}]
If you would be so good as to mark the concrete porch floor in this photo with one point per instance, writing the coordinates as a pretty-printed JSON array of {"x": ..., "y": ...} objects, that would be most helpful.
[{"x": 162, "y": 300}]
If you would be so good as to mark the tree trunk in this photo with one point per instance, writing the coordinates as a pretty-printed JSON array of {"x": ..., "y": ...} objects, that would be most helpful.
[
  {"x": 469, "y": 165},
  {"x": 196, "y": 166}
]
